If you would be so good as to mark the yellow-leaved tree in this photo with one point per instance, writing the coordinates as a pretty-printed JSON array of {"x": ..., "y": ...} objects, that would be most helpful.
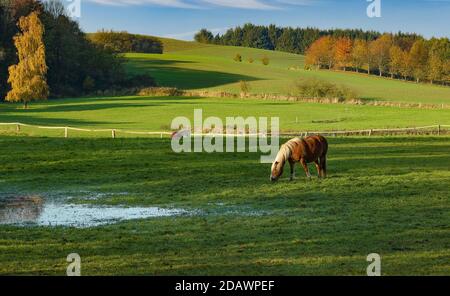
[{"x": 28, "y": 77}]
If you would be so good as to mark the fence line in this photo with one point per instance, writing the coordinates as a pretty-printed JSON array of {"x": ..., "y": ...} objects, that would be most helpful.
[{"x": 439, "y": 129}]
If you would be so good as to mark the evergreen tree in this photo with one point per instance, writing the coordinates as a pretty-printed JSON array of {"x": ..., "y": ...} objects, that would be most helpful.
[{"x": 204, "y": 36}]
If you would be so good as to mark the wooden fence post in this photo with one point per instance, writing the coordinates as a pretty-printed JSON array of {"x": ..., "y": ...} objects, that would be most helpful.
[
  {"x": 439, "y": 130},
  {"x": 18, "y": 128},
  {"x": 66, "y": 132},
  {"x": 113, "y": 133}
]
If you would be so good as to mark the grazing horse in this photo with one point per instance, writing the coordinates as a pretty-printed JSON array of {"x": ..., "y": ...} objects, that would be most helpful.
[{"x": 302, "y": 150}]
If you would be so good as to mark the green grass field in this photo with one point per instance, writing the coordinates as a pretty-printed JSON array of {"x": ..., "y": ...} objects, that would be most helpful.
[
  {"x": 384, "y": 195},
  {"x": 196, "y": 66},
  {"x": 157, "y": 113}
]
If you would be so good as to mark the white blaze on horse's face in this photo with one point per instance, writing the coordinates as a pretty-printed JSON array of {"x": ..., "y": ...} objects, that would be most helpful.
[{"x": 277, "y": 167}]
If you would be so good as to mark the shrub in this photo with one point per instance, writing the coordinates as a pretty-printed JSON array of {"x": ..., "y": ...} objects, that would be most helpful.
[
  {"x": 245, "y": 86},
  {"x": 120, "y": 42},
  {"x": 315, "y": 88},
  {"x": 238, "y": 58},
  {"x": 265, "y": 60},
  {"x": 160, "y": 91},
  {"x": 140, "y": 80},
  {"x": 251, "y": 60}
]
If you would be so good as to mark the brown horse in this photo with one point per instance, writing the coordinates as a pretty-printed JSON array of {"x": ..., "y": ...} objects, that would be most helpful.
[{"x": 302, "y": 150}]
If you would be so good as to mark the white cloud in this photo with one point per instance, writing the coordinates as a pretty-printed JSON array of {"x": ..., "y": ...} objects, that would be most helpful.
[
  {"x": 169, "y": 3},
  {"x": 247, "y": 4},
  {"x": 243, "y": 4}
]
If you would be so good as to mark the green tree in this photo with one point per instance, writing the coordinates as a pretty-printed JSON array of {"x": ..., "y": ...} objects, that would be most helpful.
[
  {"x": 28, "y": 77},
  {"x": 204, "y": 36}
]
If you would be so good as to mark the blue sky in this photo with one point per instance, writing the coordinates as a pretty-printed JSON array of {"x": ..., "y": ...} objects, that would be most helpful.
[{"x": 181, "y": 18}]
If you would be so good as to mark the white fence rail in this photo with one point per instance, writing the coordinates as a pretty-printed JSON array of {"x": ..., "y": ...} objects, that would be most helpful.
[{"x": 432, "y": 129}]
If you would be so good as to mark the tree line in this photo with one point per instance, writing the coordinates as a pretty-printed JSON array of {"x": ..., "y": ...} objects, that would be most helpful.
[
  {"x": 73, "y": 64},
  {"x": 389, "y": 55},
  {"x": 120, "y": 42},
  {"x": 288, "y": 39}
]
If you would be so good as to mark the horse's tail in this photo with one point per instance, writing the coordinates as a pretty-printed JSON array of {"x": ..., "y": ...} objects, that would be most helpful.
[
  {"x": 323, "y": 163},
  {"x": 323, "y": 157}
]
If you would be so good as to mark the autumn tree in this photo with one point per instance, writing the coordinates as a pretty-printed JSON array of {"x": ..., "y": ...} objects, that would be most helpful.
[
  {"x": 439, "y": 49},
  {"x": 359, "y": 54},
  {"x": 397, "y": 60},
  {"x": 343, "y": 52},
  {"x": 28, "y": 77},
  {"x": 418, "y": 60},
  {"x": 321, "y": 53},
  {"x": 447, "y": 72},
  {"x": 313, "y": 56},
  {"x": 379, "y": 50},
  {"x": 405, "y": 69}
]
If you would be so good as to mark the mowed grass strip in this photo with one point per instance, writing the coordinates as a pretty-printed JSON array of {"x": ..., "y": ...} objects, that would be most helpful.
[
  {"x": 157, "y": 113},
  {"x": 384, "y": 195},
  {"x": 194, "y": 66}
]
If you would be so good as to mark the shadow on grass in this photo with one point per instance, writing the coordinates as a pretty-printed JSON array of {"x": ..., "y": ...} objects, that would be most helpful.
[
  {"x": 167, "y": 74},
  {"x": 34, "y": 120},
  {"x": 11, "y": 113}
]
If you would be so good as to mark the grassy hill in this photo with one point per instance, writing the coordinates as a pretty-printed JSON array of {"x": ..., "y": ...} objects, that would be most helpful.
[{"x": 190, "y": 65}]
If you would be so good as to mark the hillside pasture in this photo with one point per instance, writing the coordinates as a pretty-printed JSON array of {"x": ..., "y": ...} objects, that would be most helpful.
[{"x": 196, "y": 66}]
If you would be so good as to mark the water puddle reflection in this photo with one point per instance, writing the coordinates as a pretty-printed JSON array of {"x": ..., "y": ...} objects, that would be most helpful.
[{"x": 36, "y": 211}]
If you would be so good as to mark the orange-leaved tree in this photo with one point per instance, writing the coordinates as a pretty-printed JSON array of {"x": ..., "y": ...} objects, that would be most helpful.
[
  {"x": 320, "y": 53},
  {"x": 28, "y": 77},
  {"x": 343, "y": 52}
]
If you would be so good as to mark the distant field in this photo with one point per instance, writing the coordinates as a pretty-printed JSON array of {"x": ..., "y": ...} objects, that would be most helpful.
[
  {"x": 157, "y": 113},
  {"x": 190, "y": 65},
  {"x": 383, "y": 195}
]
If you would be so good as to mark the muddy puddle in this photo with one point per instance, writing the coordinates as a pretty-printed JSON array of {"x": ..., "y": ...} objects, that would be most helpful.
[{"x": 37, "y": 211}]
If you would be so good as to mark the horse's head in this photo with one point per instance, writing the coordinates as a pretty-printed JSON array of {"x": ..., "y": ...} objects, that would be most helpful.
[{"x": 278, "y": 164}]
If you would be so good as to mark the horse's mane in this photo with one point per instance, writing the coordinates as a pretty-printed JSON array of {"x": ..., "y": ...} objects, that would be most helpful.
[{"x": 286, "y": 150}]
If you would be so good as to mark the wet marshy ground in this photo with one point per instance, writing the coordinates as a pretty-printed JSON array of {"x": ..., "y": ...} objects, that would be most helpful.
[{"x": 38, "y": 211}]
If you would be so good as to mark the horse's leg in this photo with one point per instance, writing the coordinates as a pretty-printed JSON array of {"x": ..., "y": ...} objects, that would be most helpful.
[
  {"x": 305, "y": 167},
  {"x": 323, "y": 164},
  {"x": 292, "y": 164},
  {"x": 319, "y": 169}
]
